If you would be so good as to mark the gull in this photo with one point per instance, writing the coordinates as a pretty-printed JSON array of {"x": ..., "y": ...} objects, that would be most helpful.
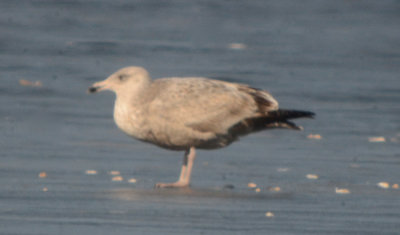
[{"x": 189, "y": 113}]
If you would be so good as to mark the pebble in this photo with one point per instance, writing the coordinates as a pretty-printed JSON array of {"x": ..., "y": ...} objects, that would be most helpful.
[
  {"x": 395, "y": 186},
  {"x": 251, "y": 185},
  {"x": 229, "y": 186}
]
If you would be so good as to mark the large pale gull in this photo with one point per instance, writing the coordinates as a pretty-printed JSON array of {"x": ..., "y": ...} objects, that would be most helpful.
[{"x": 191, "y": 112}]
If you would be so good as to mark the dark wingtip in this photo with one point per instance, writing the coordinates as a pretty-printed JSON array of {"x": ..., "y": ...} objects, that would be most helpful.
[
  {"x": 282, "y": 114},
  {"x": 311, "y": 115},
  {"x": 303, "y": 114}
]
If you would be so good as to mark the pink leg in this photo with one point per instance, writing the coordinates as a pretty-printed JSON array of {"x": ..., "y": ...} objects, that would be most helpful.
[{"x": 186, "y": 171}]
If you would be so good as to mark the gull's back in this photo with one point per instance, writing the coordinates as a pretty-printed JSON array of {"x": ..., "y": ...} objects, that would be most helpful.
[{"x": 200, "y": 112}]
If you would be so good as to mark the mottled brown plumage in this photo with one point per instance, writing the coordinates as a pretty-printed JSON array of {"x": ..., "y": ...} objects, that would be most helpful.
[{"x": 192, "y": 112}]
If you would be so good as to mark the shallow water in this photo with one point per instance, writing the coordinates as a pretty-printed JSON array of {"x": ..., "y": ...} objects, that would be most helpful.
[{"x": 340, "y": 59}]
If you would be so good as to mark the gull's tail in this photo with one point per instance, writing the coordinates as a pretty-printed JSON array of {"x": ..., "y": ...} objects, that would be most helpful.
[
  {"x": 272, "y": 119},
  {"x": 280, "y": 118}
]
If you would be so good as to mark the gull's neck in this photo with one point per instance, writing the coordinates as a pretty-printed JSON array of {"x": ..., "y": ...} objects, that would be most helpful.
[
  {"x": 132, "y": 95},
  {"x": 129, "y": 108}
]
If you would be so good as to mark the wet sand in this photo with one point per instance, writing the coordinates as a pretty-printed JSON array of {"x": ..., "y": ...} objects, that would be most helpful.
[{"x": 338, "y": 59}]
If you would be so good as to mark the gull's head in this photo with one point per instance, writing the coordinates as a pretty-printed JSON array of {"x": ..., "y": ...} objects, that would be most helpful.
[{"x": 129, "y": 78}]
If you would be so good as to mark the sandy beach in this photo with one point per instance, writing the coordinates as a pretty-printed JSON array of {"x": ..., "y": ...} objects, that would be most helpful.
[{"x": 65, "y": 168}]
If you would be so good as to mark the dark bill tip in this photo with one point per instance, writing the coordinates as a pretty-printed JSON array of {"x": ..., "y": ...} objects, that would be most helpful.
[{"x": 92, "y": 89}]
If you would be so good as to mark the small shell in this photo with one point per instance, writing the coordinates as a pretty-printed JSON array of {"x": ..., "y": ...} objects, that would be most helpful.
[
  {"x": 42, "y": 174},
  {"x": 114, "y": 173},
  {"x": 269, "y": 214},
  {"x": 384, "y": 185},
  {"x": 237, "y": 46},
  {"x": 132, "y": 180},
  {"x": 275, "y": 189},
  {"x": 257, "y": 190},
  {"x": 45, "y": 189},
  {"x": 24, "y": 82},
  {"x": 312, "y": 176},
  {"x": 117, "y": 178},
  {"x": 342, "y": 191},
  {"x": 395, "y": 186},
  {"x": 91, "y": 172},
  {"x": 251, "y": 185},
  {"x": 283, "y": 169},
  {"x": 377, "y": 139},
  {"x": 314, "y": 136}
]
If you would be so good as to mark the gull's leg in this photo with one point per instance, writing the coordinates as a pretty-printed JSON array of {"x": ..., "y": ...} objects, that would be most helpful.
[
  {"x": 190, "y": 161},
  {"x": 184, "y": 166},
  {"x": 186, "y": 171}
]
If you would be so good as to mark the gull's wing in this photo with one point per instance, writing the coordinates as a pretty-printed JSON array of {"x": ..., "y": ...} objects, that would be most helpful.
[{"x": 206, "y": 105}]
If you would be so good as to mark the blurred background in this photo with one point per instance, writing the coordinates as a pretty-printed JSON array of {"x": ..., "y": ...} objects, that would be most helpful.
[{"x": 65, "y": 168}]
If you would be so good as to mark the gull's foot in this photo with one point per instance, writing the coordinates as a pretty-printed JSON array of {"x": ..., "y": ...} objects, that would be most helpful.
[{"x": 177, "y": 184}]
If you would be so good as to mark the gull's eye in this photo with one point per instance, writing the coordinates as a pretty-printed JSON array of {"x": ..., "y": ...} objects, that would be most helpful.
[{"x": 122, "y": 77}]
